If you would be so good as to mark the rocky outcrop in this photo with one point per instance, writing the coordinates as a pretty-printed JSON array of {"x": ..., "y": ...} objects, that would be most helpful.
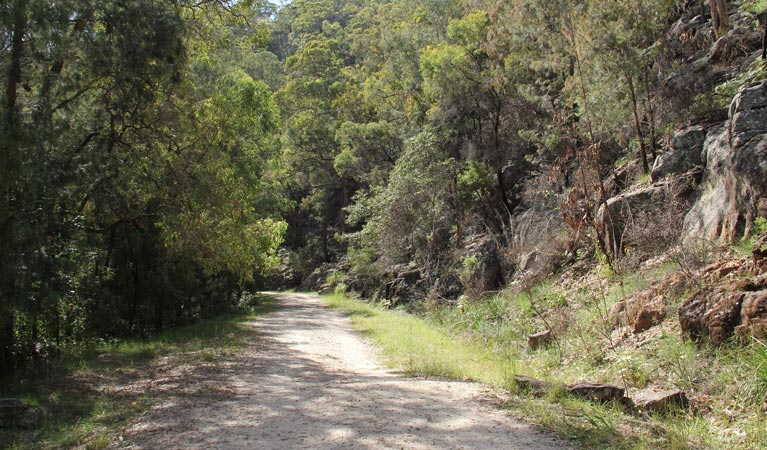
[
  {"x": 685, "y": 153},
  {"x": 403, "y": 284},
  {"x": 730, "y": 308},
  {"x": 733, "y": 191},
  {"x": 15, "y": 414},
  {"x": 737, "y": 43},
  {"x": 640, "y": 312},
  {"x": 623, "y": 209},
  {"x": 759, "y": 255},
  {"x": 484, "y": 273}
]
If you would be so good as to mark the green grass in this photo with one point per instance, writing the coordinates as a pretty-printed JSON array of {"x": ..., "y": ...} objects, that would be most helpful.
[
  {"x": 78, "y": 414},
  {"x": 485, "y": 340},
  {"x": 417, "y": 348}
]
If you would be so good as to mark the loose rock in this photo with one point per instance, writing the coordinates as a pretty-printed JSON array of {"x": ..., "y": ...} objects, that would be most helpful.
[
  {"x": 661, "y": 402},
  {"x": 536, "y": 387},
  {"x": 539, "y": 340}
]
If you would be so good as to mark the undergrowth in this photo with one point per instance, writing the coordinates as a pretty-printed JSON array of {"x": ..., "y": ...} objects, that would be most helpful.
[
  {"x": 486, "y": 340},
  {"x": 80, "y": 413}
]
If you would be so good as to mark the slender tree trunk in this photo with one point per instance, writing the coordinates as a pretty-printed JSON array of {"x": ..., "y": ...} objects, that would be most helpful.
[
  {"x": 720, "y": 19},
  {"x": 14, "y": 70},
  {"x": 650, "y": 108},
  {"x": 508, "y": 206},
  {"x": 764, "y": 40},
  {"x": 7, "y": 341},
  {"x": 637, "y": 124}
]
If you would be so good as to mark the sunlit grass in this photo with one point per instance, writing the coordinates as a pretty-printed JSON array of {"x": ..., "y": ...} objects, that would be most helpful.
[
  {"x": 416, "y": 347},
  {"x": 485, "y": 340}
]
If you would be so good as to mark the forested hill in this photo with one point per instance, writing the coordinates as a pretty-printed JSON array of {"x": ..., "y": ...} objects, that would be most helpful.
[{"x": 157, "y": 154}]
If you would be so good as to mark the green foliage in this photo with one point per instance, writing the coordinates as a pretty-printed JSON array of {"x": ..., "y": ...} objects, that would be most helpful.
[
  {"x": 411, "y": 216},
  {"x": 139, "y": 161},
  {"x": 474, "y": 181},
  {"x": 756, "y": 72}
]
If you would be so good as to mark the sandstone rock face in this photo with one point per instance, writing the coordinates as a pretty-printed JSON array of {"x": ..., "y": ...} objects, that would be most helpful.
[
  {"x": 622, "y": 209},
  {"x": 686, "y": 153},
  {"x": 730, "y": 308},
  {"x": 660, "y": 402},
  {"x": 734, "y": 187},
  {"x": 486, "y": 273},
  {"x": 15, "y": 414}
]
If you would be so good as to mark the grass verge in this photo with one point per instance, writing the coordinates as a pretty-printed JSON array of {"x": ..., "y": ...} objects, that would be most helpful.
[
  {"x": 83, "y": 394},
  {"x": 484, "y": 340}
]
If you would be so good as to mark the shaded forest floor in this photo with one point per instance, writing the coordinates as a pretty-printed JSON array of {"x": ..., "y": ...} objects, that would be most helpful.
[{"x": 90, "y": 394}]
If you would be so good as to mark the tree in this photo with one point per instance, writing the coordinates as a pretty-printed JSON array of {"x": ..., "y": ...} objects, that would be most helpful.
[{"x": 113, "y": 155}]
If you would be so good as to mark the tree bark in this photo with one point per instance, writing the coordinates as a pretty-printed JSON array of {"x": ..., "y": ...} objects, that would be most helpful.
[
  {"x": 637, "y": 124},
  {"x": 14, "y": 71},
  {"x": 764, "y": 40},
  {"x": 7, "y": 341},
  {"x": 719, "y": 17}
]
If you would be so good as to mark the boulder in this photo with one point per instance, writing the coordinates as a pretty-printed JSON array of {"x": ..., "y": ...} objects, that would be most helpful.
[
  {"x": 685, "y": 153},
  {"x": 738, "y": 42},
  {"x": 734, "y": 186},
  {"x": 613, "y": 220},
  {"x": 645, "y": 309},
  {"x": 640, "y": 311},
  {"x": 539, "y": 340},
  {"x": 15, "y": 414},
  {"x": 601, "y": 393},
  {"x": 731, "y": 307},
  {"x": 403, "y": 283},
  {"x": 660, "y": 402}
]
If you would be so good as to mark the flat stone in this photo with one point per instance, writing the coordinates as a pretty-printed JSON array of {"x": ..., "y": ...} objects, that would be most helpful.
[
  {"x": 537, "y": 387},
  {"x": 661, "y": 402}
]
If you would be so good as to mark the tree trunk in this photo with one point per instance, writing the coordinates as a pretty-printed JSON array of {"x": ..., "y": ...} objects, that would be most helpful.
[
  {"x": 764, "y": 40},
  {"x": 719, "y": 17},
  {"x": 14, "y": 71},
  {"x": 637, "y": 124},
  {"x": 7, "y": 342}
]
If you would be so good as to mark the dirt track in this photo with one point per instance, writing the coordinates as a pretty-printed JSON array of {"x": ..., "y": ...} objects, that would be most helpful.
[{"x": 308, "y": 381}]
